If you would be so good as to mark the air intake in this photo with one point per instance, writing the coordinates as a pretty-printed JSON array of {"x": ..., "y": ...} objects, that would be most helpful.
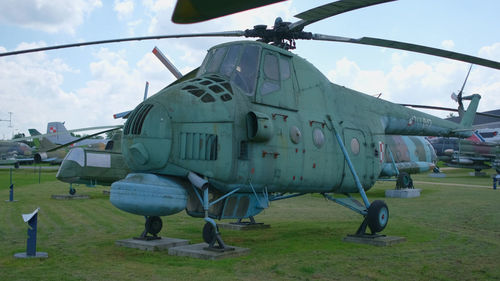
[{"x": 136, "y": 119}]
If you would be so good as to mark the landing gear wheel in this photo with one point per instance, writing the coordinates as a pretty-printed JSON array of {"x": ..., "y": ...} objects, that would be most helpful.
[
  {"x": 153, "y": 225},
  {"x": 404, "y": 181},
  {"x": 209, "y": 235},
  {"x": 378, "y": 216},
  {"x": 72, "y": 191}
]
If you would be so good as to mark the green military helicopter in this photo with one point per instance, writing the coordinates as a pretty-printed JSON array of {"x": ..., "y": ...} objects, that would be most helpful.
[{"x": 256, "y": 123}]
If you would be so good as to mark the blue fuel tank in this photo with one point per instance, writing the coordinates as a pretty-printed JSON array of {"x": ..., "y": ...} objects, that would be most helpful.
[{"x": 149, "y": 194}]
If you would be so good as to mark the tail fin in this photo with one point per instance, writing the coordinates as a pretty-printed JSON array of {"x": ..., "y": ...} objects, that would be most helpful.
[
  {"x": 62, "y": 135},
  {"x": 34, "y": 132},
  {"x": 470, "y": 113}
]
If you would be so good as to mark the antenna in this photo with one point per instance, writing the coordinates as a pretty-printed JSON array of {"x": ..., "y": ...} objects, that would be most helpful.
[{"x": 9, "y": 120}]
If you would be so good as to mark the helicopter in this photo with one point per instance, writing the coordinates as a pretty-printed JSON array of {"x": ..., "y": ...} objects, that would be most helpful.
[{"x": 256, "y": 123}]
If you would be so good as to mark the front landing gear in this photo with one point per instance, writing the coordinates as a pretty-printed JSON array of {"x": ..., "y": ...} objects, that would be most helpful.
[
  {"x": 211, "y": 236},
  {"x": 152, "y": 226},
  {"x": 72, "y": 190},
  {"x": 376, "y": 219}
]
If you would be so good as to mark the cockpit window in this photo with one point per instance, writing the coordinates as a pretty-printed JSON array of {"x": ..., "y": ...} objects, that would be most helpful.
[
  {"x": 271, "y": 67},
  {"x": 215, "y": 59},
  {"x": 77, "y": 155},
  {"x": 230, "y": 60},
  {"x": 272, "y": 75},
  {"x": 245, "y": 76},
  {"x": 285, "y": 68},
  {"x": 238, "y": 62}
]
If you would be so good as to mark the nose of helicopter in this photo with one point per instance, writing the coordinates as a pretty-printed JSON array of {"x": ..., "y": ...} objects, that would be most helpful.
[
  {"x": 147, "y": 137},
  {"x": 71, "y": 166}
]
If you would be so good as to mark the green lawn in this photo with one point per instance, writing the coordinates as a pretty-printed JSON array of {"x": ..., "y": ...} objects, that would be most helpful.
[{"x": 453, "y": 233}]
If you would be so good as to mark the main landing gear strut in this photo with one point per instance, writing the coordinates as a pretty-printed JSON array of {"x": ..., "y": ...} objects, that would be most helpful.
[
  {"x": 376, "y": 214},
  {"x": 152, "y": 226},
  {"x": 211, "y": 234}
]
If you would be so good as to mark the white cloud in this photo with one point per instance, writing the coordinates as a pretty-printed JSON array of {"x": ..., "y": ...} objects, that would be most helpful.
[
  {"x": 448, "y": 44},
  {"x": 124, "y": 8},
  {"x": 491, "y": 52},
  {"x": 423, "y": 83},
  {"x": 47, "y": 15}
]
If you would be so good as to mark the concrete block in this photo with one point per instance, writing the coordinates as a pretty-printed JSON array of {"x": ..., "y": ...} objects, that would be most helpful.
[
  {"x": 152, "y": 245},
  {"x": 437, "y": 175},
  {"x": 38, "y": 255},
  {"x": 69, "y": 197},
  {"x": 242, "y": 227},
  {"x": 380, "y": 241},
  {"x": 199, "y": 251},
  {"x": 403, "y": 193},
  {"x": 477, "y": 174}
]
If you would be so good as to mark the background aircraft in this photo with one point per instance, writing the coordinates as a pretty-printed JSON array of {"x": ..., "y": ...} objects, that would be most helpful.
[
  {"x": 15, "y": 153},
  {"x": 471, "y": 153}
]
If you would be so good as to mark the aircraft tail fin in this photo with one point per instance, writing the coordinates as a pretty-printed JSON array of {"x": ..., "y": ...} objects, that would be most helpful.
[
  {"x": 34, "y": 132},
  {"x": 61, "y": 134},
  {"x": 469, "y": 115}
]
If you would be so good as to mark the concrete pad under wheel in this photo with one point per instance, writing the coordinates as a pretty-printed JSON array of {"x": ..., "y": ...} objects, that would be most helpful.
[
  {"x": 380, "y": 241},
  {"x": 199, "y": 251},
  {"x": 437, "y": 175},
  {"x": 152, "y": 245},
  {"x": 234, "y": 226},
  {"x": 69, "y": 197},
  {"x": 403, "y": 193}
]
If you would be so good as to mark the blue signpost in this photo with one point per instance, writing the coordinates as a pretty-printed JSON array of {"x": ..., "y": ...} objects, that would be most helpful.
[
  {"x": 11, "y": 191},
  {"x": 32, "y": 220}
]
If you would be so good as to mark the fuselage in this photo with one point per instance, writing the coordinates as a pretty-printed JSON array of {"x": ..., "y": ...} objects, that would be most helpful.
[{"x": 255, "y": 116}]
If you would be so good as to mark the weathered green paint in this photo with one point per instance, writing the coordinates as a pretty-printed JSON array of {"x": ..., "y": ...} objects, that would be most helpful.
[{"x": 180, "y": 119}]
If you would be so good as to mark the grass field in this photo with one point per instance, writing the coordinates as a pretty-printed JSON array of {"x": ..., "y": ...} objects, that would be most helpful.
[{"x": 453, "y": 233}]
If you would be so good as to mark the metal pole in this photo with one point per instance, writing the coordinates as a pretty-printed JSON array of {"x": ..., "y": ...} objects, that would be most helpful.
[{"x": 11, "y": 192}]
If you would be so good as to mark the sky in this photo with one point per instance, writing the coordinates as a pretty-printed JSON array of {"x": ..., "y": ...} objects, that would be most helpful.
[{"x": 85, "y": 86}]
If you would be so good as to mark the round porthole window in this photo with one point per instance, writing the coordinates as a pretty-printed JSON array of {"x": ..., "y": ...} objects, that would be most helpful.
[
  {"x": 295, "y": 134},
  {"x": 318, "y": 137},
  {"x": 355, "y": 146}
]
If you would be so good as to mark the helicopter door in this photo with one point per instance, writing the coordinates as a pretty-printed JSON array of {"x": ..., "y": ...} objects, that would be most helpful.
[
  {"x": 276, "y": 83},
  {"x": 357, "y": 147}
]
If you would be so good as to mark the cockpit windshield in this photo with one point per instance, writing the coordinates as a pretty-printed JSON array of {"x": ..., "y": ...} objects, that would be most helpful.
[{"x": 238, "y": 62}]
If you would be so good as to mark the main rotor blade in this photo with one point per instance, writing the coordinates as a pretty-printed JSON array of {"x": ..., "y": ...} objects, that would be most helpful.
[
  {"x": 329, "y": 10},
  {"x": 409, "y": 47},
  {"x": 82, "y": 138},
  {"x": 447, "y": 109},
  {"x": 212, "y": 34},
  {"x": 191, "y": 11},
  {"x": 465, "y": 81}
]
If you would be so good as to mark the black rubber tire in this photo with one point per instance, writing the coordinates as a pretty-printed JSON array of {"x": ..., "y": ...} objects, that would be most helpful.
[
  {"x": 72, "y": 191},
  {"x": 378, "y": 216},
  {"x": 153, "y": 225},
  {"x": 404, "y": 181},
  {"x": 209, "y": 235}
]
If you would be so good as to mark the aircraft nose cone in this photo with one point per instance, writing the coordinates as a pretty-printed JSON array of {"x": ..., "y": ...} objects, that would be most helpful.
[
  {"x": 71, "y": 167},
  {"x": 147, "y": 137}
]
